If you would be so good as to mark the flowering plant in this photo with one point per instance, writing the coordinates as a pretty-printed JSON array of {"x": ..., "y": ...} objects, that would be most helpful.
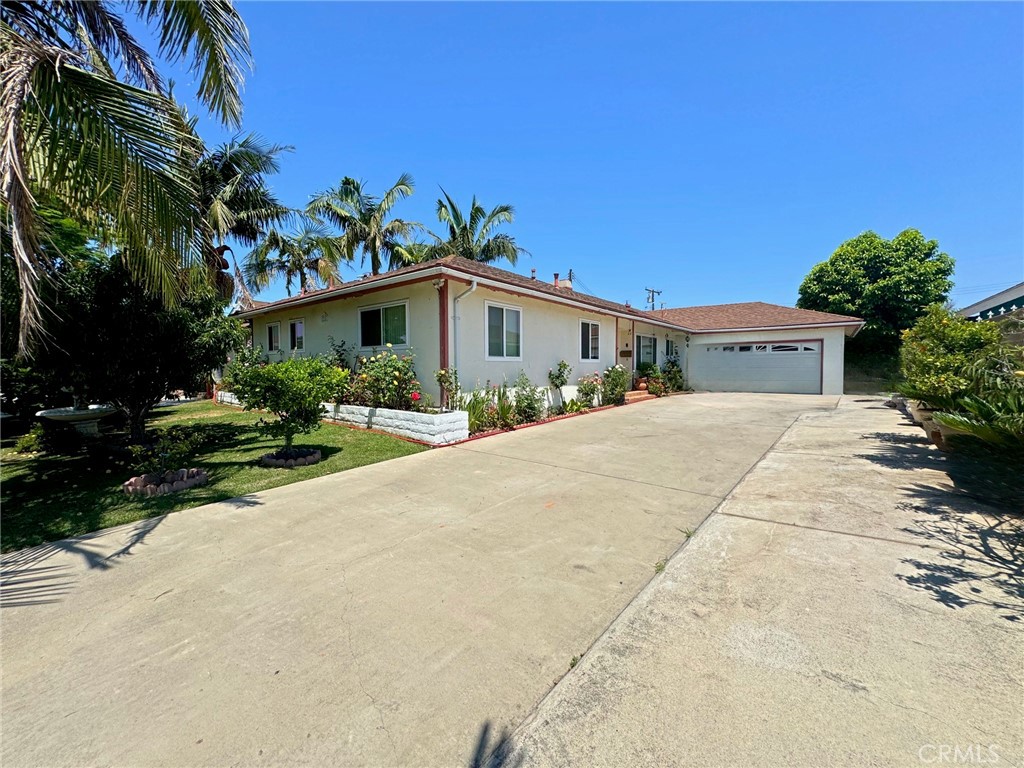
[
  {"x": 385, "y": 380},
  {"x": 588, "y": 389},
  {"x": 448, "y": 380},
  {"x": 614, "y": 385}
]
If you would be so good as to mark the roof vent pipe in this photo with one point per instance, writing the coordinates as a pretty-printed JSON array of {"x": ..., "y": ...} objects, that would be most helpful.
[
  {"x": 533, "y": 273},
  {"x": 556, "y": 279}
]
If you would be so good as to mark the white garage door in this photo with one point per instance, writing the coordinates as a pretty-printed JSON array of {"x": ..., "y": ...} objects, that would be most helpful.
[{"x": 791, "y": 366}]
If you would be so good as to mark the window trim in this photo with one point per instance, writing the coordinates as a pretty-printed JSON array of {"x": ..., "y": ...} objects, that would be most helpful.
[
  {"x": 487, "y": 347},
  {"x": 579, "y": 339},
  {"x": 291, "y": 322},
  {"x": 382, "y": 307},
  {"x": 639, "y": 347},
  {"x": 277, "y": 324}
]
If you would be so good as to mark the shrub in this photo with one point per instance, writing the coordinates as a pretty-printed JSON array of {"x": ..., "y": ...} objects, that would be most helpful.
[
  {"x": 575, "y": 406},
  {"x": 588, "y": 389},
  {"x": 644, "y": 370},
  {"x": 477, "y": 405},
  {"x": 656, "y": 385},
  {"x": 938, "y": 351},
  {"x": 672, "y": 373},
  {"x": 558, "y": 377},
  {"x": 448, "y": 380},
  {"x": 503, "y": 408},
  {"x": 614, "y": 385},
  {"x": 529, "y": 400},
  {"x": 173, "y": 448},
  {"x": 386, "y": 380},
  {"x": 32, "y": 441},
  {"x": 293, "y": 390}
]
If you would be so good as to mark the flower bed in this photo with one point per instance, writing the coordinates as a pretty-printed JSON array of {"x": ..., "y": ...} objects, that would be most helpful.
[
  {"x": 160, "y": 483},
  {"x": 439, "y": 428}
]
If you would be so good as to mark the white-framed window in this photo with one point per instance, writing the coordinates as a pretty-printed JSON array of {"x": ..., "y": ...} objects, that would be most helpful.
[
  {"x": 590, "y": 340},
  {"x": 671, "y": 348},
  {"x": 647, "y": 349},
  {"x": 384, "y": 324},
  {"x": 504, "y": 331},
  {"x": 297, "y": 334},
  {"x": 273, "y": 337}
]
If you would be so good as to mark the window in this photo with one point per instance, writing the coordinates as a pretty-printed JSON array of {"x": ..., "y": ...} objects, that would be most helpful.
[
  {"x": 504, "y": 332},
  {"x": 671, "y": 349},
  {"x": 590, "y": 340},
  {"x": 384, "y": 325},
  {"x": 785, "y": 348},
  {"x": 729, "y": 349},
  {"x": 297, "y": 335},
  {"x": 273, "y": 337},
  {"x": 648, "y": 349},
  {"x": 746, "y": 348}
]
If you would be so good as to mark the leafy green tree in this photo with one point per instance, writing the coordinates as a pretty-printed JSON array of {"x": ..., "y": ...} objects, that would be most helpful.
[
  {"x": 888, "y": 283},
  {"x": 363, "y": 220},
  {"x": 310, "y": 255},
  {"x": 89, "y": 121},
  {"x": 114, "y": 342},
  {"x": 473, "y": 237},
  {"x": 294, "y": 390},
  {"x": 236, "y": 201}
]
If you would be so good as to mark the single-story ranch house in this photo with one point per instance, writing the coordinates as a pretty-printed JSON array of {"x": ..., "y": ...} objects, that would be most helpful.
[{"x": 491, "y": 323}]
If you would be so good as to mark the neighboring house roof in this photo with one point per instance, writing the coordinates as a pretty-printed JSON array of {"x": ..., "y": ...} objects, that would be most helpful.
[
  {"x": 998, "y": 304},
  {"x": 750, "y": 315},
  {"x": 692, "y": 319}
]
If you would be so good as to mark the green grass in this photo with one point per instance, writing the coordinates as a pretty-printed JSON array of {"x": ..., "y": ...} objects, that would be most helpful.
[{"x": 45, "y": 498}]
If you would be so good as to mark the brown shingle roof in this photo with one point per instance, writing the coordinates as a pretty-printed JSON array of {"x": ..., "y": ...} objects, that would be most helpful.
[
  {"x": 470, "y": 269},
  {"x": 747, "y": 314}
]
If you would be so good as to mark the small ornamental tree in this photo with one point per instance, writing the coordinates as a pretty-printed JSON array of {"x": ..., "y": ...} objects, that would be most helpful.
[{"x": 294, "y": 390}]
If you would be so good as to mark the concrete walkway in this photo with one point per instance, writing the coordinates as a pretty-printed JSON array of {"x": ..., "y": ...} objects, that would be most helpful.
[
  {"x": 852, "y": 603},
  {"x": 387, "y": 615}
]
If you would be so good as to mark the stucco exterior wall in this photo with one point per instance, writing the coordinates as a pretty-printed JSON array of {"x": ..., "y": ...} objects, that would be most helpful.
[
  {"x": 339, "y": 318},
  {"x": 550, "y": 333},
  {"x": 833, "y": 346}
]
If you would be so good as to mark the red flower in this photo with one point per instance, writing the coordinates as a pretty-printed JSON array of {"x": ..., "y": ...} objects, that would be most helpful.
[{"x": 415, "y": 396}]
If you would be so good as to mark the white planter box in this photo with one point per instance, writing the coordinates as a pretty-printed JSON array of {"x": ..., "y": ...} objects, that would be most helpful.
[
  {"x": 228, "y": 398},
  {"x": 433, "y": 428}
]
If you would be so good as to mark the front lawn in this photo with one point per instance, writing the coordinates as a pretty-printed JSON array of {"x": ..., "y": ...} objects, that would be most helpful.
[{"x": 45, "y": 498}]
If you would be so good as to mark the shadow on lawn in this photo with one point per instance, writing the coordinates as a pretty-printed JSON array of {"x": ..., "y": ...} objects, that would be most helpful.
[
  {"x": 974, "y": 519},
  {"x": 27, "y": 579}
]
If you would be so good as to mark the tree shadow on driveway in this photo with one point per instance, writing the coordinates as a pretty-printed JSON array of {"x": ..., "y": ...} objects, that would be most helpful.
[{"x": 973, "y": 519}]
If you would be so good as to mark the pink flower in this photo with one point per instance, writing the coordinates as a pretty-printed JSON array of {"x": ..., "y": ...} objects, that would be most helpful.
[{"x": 415, "y": 396}]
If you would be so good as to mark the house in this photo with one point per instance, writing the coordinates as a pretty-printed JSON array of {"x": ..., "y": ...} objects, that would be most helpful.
[
  {"x": 1005, "y": 305},
  {"x": 491, "y": 323}
]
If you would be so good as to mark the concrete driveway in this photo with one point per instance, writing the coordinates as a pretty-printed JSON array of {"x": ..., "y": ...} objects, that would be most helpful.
[
  {"x": 388, "y": 615},
  {"x": 858, "y": 600}
]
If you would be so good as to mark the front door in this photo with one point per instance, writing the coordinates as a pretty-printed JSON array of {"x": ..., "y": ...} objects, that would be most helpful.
[{"x": 646, "y": 350}]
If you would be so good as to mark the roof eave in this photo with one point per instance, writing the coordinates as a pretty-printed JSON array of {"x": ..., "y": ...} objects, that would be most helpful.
[{"x": 856, "y": 324}]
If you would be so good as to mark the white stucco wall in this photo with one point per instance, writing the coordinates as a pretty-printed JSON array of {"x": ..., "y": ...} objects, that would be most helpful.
[
  {"x": 833, "y": 346},
  {"x": 550, "y": 333},
  {"x": 340, "y": 318}
]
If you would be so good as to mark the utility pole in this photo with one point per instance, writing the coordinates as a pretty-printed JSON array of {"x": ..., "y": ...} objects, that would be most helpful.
[{"x": 651, "y": 293}]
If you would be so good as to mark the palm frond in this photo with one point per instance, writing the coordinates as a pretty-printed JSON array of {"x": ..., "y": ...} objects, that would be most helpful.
[{"x": 214, "y": 37}]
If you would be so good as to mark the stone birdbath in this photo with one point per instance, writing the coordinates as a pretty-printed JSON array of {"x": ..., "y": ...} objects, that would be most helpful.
[{"x": 85, "y": 420}]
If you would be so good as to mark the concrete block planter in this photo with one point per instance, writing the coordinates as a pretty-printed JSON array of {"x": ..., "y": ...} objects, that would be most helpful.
[
  {"x": 160, "y": 483},
  {"x": 297, "y": 457},
  {"x": 228, "y": 398},
  {"x": 433, "y": 428}
]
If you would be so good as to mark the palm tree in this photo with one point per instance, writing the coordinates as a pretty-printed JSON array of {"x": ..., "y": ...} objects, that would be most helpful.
[
  {"x": 311, "y": 254},
  {"x": 472, "y": 238},
  {"x": 237, "y": 202},
  {"x": 88, "y": 121},
  {"x": 363, "y": 219}
]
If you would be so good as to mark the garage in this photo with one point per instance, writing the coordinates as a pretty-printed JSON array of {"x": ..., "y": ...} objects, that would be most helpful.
[
  {"x": 786, "y": 366},
  {"x": 759, "y": 347}
]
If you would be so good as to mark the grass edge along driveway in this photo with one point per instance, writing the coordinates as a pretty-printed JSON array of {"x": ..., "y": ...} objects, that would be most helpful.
[{"x": 49, "y": 497}]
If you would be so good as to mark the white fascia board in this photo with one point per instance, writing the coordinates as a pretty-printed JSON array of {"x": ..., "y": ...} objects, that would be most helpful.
[{"x": 343, "y": 291}]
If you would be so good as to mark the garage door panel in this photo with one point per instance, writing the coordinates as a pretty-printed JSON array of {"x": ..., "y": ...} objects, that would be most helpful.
[{"x": 723, "y": 368}]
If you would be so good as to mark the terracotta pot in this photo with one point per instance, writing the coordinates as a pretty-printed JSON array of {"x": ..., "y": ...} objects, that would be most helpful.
[{"x": 642, "y": 386}]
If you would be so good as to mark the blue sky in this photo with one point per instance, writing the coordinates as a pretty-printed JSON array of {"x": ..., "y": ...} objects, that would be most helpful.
[{"x": 712, "y": 151}]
